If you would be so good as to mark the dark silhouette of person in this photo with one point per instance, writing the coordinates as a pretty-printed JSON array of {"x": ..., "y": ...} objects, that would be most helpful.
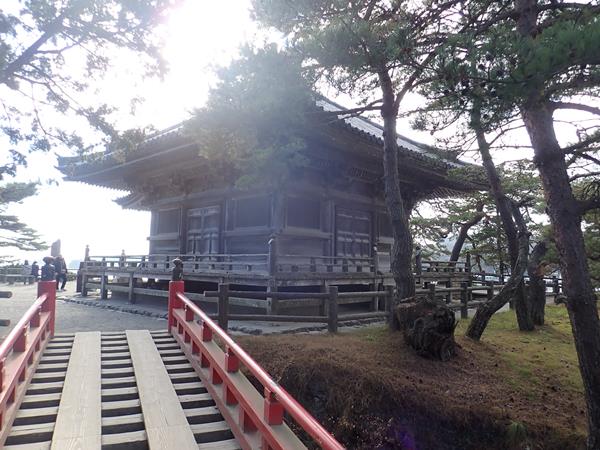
[
  {"x": 26, "y": 271},
  {"x": 48, "y": 272},
  {"x": 35, "y": 271},
  {"x": 61, "y": 272}
]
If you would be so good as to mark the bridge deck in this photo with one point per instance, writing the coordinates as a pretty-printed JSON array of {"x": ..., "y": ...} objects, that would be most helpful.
[{"x": 133, "y": 389}]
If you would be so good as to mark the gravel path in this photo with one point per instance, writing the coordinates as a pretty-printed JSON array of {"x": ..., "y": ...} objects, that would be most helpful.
[{"x": 71, "y": 317}]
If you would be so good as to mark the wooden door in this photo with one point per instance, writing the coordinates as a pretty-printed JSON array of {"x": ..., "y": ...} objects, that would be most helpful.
[
  {"x": 203, "y": 230},
  {"x": 353, "y": 232}
]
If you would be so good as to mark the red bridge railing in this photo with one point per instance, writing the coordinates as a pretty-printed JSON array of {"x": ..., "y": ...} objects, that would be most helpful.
[
  {"x": 256, "y": 420},
  {"x": 21, "y": 350}
]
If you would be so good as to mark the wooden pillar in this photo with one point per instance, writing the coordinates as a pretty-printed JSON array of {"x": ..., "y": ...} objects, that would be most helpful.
[
  {"x": 272, "y": 256},
  {"x": 431, "y": 293},
  {"x": 103, "y": 288},
  {"x": 389, "y": 303},
  {"x": 272, "y": 306},
  {"x": 332, "y": 313},
  {"x": 449, "y": 293},
  {"x": 131, "y": 296},
  {"x": 490, "y": 290},
  {"x": 555, "y": 286},
  {"x": 223, "y": 312},
  {"x": 323, "y": 306},
  {"x": 374, "y": 303},
  {"x": 84, "y": 291},
  {"x": 464, "y": 300}
]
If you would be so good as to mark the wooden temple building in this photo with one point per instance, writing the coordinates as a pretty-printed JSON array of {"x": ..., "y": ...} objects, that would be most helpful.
[{"x": 327, "y": 226}]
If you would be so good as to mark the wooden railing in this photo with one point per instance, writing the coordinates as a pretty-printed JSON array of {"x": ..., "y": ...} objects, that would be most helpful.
[
  {"x": 256, "y": 420},
  {"x": 12, "y": 275},
  {"x": 191, "y": 263},
  {"x": 328, "y": 301},
  {"x": 20, "y": 353}
]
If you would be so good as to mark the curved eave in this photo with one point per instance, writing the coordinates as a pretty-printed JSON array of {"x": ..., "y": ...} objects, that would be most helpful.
[{"x": 118, "y": 174}]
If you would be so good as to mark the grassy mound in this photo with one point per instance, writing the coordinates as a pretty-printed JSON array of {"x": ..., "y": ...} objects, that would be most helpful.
[{"x": 511, "y": 391}]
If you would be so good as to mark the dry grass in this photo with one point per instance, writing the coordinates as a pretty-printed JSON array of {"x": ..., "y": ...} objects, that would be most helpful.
[{"x": 512, "y": 390}]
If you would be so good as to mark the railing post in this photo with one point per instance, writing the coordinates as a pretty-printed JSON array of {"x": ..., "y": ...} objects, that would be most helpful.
[
  {"x": 555, "y": 286},
  {"x": 375, "y": 260},
  {"x": 223, "y": 312},
  {"x": 175, "y": 287},
  {"x": 332, "y": 313},
  {"x": 2, "y": 361},
  {"x": 431, "y": 293},
  {"x": 131, "y": 292},
  {"x": 49, "y": 288},
  {"x": 389, "y": 302},
  {"x": 103, "y": 282},
  {"x": 449, "y": 293},
  {"x": 21, "y": 342},
  {"x": 272, "y": 256},
  {"x": 464, "y": 297},
  {"x": 490, "y": 290},
  {"x": 272, "y": 301},
  {"x": 273, "y": 412}
]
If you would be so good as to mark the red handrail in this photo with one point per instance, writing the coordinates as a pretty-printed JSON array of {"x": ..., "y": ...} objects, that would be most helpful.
[
  {"x": 21, "y": 349},
  {"x": 278, "y": 394}
]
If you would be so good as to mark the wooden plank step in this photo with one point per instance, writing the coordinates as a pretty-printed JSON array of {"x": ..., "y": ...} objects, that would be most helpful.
[
  {"x": 57, "y": 352},
  {"x": 55, "y": 367},
  {"x": 115, "y": 356},
  {"x": 40, "y": 401},
  {"x": 79, "y": 421},
  {"x": 211, "y": 431},
  {"x": 229, "y": 444},
  {"x": 112, "y": 344},
  {"x": 121, "y": 408},
  {"x": 117, "y": 394},
  {"x": 122, "y": 382},
  {"x": 27, "y": 413},
  {"x": 117, "y": 373},
  {"x": 170, "y": 358},
  {"x": 165, "y": 421},
  {"x": 122, "y": 424},
  {"x": 168, "y": 347},
  {"x": 203, "y": 415},
  {"x": 30, "y": 433},
  {"x": 45, "y": 388},
  {"x": 196, "y": 400},
  {"x": 54, "y": 360},
  {"x": 130, "y": 440},
  {"x": 177, "y": 378},
  {"x": 33, "y": 446},
  {"x": 110, "y": 350},
  {"x": 116, "y": 364},
  {"x": 51, "y": 377},
  {"x": 190, "y": 388}
]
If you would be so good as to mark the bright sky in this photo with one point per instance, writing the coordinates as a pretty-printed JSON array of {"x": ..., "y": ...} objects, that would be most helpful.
[{"x": 200, "y": 36}]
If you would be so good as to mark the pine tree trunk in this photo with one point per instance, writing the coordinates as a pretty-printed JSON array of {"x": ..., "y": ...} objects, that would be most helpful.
[
  {"x": 522, "y": 306},
  {"x": 464, "y": 231},
  {"x": 565, "y": 217},
  {"x": 398, "y": 207},
  {"x": 485, "y": 311},
  {"x": 537, "y": 286}
]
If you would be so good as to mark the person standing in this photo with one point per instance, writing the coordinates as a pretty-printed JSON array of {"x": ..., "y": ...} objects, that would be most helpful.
[
  {"x": 48, "y": 273},
  {"x": 61, "y": 272},
  {"x": 35, "y": 271},
  {"x": 26, "y": 272}
]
